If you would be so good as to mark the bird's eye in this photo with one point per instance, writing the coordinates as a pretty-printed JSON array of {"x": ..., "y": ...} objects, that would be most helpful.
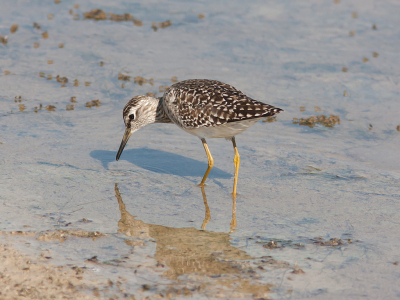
[{"x": 132, "y": 116}]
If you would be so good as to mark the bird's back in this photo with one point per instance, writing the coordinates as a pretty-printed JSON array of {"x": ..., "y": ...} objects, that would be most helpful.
[{"x": 196, "y": 103}]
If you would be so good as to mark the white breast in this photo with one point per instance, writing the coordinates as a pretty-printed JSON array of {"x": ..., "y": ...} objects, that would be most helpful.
[{"x": 227, "y": 130}]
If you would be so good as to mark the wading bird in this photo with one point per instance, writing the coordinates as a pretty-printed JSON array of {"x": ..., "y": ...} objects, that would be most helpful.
[{"x": 202, "y": 107}]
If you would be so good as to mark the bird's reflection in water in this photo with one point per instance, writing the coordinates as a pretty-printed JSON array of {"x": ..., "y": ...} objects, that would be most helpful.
[
  {"x": 207, "y": 217},
  {"x": 206, "y": 258}
]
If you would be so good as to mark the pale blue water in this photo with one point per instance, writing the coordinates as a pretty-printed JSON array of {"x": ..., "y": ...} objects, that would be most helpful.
[{"x": 295, "y": 182}]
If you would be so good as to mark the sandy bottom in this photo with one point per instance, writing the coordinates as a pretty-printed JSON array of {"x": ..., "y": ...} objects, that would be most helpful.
[
  {"x": 34, "y": 278},
  {"x": 203, "y": 264}
]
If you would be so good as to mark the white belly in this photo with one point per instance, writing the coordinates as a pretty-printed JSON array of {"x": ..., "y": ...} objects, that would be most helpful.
[{"x": 227, "y": 130}]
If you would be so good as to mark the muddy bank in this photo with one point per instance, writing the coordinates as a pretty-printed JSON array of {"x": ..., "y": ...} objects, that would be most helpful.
[{"x": 25, "y": 277}]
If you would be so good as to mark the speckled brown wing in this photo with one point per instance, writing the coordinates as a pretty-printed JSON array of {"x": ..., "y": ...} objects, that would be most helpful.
[{"x": 198, "y": 103}]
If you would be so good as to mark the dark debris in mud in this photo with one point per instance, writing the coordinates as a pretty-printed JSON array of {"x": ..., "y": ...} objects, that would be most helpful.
[
  {"x": 330, "y": 121},
  {"x": 62, "y": 235},
  {"x": 278, "y": 243},
  {"x": 273, "y": 244},
  {"x": 333, "y": 242},
  {"x": 93, "y": 259}
]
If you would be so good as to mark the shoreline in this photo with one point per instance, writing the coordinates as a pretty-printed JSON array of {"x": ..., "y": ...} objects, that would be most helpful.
[{"x": 34, "y": 278}]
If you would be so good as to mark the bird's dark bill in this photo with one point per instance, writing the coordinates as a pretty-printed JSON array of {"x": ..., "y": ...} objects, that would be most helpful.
[{"x": 125, "y": 139}]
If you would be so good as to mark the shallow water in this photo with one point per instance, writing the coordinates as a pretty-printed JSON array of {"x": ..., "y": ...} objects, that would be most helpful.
[{"x": 297, "y": 182}]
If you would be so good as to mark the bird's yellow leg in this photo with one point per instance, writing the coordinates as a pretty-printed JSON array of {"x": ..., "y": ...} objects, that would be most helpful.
[
  {"x": 207, "y": 216},
  {"x": 236, "y": 161},
  {"x": 210, "y": 162}
]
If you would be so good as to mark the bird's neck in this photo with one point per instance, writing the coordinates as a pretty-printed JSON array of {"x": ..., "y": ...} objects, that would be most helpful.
[{"x": 161, "y": 115}]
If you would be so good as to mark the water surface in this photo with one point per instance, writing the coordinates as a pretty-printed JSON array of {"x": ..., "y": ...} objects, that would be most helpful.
[{"x": 318, "y": 205}]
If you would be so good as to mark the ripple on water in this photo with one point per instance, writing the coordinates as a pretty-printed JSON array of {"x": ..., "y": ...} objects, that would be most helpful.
[{"x": 119, "y": 174}]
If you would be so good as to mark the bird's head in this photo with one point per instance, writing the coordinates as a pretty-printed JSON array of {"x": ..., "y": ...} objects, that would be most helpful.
[{"x": 138, "y": 112}]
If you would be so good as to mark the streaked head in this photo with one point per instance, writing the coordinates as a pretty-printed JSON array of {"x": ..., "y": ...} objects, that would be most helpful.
[{"x": 138, "y": 112}]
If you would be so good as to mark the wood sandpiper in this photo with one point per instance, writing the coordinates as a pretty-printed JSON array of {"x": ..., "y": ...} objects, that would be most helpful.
[{"x": 202, "y": 107}]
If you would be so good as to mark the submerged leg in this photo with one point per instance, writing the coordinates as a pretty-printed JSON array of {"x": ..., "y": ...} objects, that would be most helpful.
[
  {"x": 236, "y": 161},
  {"x": 210, "y": 162}
]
